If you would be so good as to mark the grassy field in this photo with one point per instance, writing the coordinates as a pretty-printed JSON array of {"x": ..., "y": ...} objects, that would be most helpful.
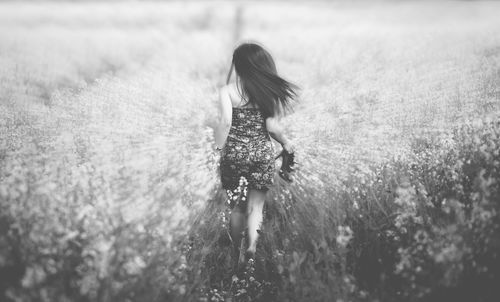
[{"x": 109, "y": 188}]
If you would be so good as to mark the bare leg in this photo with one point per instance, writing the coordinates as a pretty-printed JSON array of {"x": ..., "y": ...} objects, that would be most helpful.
[
  {"x": 237, "y": 225},
  {"x": 254, "y": 211}
]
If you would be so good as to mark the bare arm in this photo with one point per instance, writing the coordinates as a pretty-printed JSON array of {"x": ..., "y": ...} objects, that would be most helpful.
[
  {"x": 276, "y": 131},
  {"x": 226, "y": 110}
]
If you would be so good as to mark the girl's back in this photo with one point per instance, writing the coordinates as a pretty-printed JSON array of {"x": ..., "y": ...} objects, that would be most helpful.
[
  {"x": 248, "y": 151},
  {"x": 247, "y": 121}
]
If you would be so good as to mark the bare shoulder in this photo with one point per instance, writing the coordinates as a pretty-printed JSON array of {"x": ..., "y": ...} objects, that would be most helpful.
[
  {"x": 231, "y": 91},
  {"x": 224, "y": 89},
  {"x": 228, "y": 89}
]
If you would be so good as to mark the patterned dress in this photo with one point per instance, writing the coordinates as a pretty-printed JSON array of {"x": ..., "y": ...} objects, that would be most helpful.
[{"x": 248, "y": 153}]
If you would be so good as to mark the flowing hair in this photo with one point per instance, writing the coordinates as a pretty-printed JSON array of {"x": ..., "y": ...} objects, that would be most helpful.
[{"x": 261, "y": 84}]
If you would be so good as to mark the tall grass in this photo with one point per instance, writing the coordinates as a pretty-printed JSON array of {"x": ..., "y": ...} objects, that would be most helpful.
[{"x": 109, "y": 188}]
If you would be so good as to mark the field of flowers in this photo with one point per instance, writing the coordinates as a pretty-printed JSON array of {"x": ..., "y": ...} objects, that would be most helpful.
[{"x": 108, "y": 182}]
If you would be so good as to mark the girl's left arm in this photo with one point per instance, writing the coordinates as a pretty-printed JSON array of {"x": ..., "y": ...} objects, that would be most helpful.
[
  {"x": 226, "y": 109},
  {"x": 276, "y": 131}
]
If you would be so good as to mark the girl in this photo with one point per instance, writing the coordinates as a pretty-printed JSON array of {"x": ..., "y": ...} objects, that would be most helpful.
[{"x": 250, "y": 107}]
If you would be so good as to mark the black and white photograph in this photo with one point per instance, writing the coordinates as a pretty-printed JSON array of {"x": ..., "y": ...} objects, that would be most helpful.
[{"x": 249, "y": 151}]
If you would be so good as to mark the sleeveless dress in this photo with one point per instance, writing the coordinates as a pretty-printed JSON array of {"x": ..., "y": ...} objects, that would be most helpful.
[{"x": 248, "y": 155}]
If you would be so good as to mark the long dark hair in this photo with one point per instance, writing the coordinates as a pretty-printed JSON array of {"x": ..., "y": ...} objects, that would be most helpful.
[{"x": 262, "y": 86}]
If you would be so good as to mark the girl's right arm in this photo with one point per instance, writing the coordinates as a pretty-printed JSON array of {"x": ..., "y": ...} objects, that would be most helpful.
[
  {"x": 226, "y": 109},
  {"x": 276, "y": 131}
]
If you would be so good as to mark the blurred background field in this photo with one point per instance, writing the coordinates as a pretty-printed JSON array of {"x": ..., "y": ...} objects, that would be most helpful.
[{"x": 109, "y": 188}]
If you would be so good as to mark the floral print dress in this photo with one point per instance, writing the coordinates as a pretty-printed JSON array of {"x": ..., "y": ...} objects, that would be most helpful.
[{"x": 248, "y": 155}]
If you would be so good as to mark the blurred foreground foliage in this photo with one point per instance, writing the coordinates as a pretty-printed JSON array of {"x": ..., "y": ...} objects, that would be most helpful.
[{"x": 422, "y": 228}]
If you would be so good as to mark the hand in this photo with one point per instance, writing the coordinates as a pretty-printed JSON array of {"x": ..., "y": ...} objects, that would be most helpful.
[{"x": 287, "y": 165}]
